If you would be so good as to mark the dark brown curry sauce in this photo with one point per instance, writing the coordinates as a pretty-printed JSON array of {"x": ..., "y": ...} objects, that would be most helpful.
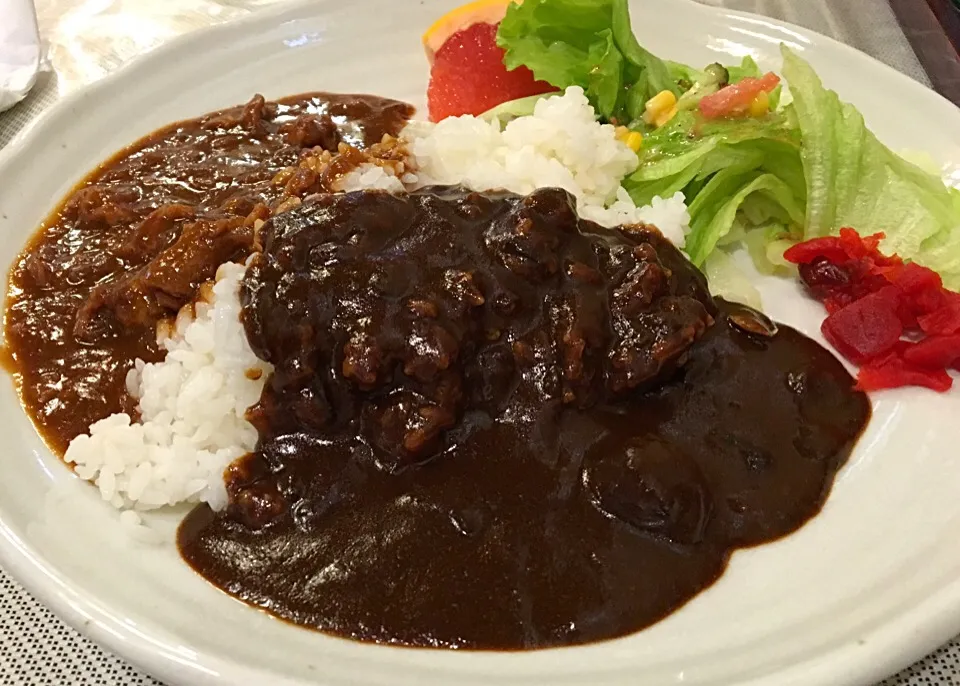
[{"x": 491, "y": 424}]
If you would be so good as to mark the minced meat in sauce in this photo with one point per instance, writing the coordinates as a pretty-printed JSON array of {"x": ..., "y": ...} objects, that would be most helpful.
[
  {"x": 494, "y": 425},
  {"x": 490, "y": 425}
]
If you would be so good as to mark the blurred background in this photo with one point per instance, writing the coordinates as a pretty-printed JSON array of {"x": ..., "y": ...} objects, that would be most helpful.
[{"x": 86, "y": 39}]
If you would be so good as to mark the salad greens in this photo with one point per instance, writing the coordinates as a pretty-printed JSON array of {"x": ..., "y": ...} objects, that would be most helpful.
[
  {"x": 803, "y": 170},
  {"x": 731, "y": 166},
  {"x": 586, "y": 43},
  {"x": 854, "y": 180}
]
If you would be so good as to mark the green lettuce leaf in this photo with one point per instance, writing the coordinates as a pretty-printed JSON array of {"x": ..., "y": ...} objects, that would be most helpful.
[
  {"x": 941, "y": 253},
  {"x": 744, "y": 173},
  {"x": 728, "y": 281},
  {"x": 715, "y": 208},
  {"x": 806, "y": 169},
  {"x": 748, "y": 67},
  {"x": 854, "y": 180},
  {"x": 654, "y": 70},
  {"x": 555, "y": 38},
  {"x": 605, "y": 80},
  {"x": 587, "y": 43}
]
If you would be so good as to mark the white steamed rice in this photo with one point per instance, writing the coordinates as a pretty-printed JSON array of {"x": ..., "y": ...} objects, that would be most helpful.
[
  {"x": 559, "y": 145},
  {"x": 192, "y": 404},
  {"x": 192, "y": 407}
]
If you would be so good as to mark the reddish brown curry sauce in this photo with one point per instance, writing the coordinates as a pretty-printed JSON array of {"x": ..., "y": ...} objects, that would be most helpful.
[
  {"x": 133, "y": 242},
  {"x": 491, "y": 425}
]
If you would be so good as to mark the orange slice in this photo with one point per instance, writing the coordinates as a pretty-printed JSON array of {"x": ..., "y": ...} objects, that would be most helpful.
[{"x": 477, "y": 12}]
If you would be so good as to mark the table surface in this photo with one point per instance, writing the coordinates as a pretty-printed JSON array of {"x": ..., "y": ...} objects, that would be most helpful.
[{"x": 89, "y": 38}]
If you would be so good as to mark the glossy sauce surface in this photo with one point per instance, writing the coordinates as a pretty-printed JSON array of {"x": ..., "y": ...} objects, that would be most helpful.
[
  {"x": 134, "y": 241},
  {"x": 493, "y": 425}
]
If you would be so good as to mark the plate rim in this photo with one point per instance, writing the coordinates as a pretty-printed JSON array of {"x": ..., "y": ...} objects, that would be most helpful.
[{"x": 888, "y": 650}]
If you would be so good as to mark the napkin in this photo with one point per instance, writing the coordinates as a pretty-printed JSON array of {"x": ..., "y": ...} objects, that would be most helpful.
[{"x": 21, "y": 57}]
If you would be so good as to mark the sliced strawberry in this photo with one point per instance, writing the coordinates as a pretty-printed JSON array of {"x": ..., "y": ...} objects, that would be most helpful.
[{"x": 469, "y": 77}]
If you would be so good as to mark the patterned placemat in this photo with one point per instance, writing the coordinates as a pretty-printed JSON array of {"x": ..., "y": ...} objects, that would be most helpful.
[{"x": 36, "y": 648}]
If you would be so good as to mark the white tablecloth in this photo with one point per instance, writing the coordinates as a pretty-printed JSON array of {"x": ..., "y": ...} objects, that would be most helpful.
[{"x": 90, "y": 38}]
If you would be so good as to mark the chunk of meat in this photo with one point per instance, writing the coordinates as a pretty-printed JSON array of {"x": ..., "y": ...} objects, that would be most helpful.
[
  {"x": 308, "y": 131},
  {"x": 655, "y": 315},
  {"x": 302, "y": 182},
  {"x": 407, "y": 427},
  {"x": 404, "y": 314},
  {"x": 155, "y": 232},
  {"x": 52, "y": 265},
  {"x": 250, "y": 116},
  {"x": 95, "y": 206},
  {"x": 527, "y": 241},
  {"x": 254, "y": 113},
  {"x": 168, "y": 282}
]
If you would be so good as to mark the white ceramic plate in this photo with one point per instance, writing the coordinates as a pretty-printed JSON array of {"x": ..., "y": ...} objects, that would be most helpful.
[{"x": 868, "y": 586}]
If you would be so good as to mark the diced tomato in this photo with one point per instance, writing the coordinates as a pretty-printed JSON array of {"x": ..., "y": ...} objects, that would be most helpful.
[
  {"x": 866, "y": 328},
  {"x": 895, "y": 373},
  {"x": 934, "y": 352},
  {"x": 735, "y": 99}
]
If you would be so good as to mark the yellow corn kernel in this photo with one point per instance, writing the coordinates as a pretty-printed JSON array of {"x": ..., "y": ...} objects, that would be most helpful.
[
  {"x": 664, "y": 117},
  {"x": 622, "y": 132},
  {"x": 760, "y": 105},
  {"x": 662, "y": 102},
  {"x": 634, "y": 140}
]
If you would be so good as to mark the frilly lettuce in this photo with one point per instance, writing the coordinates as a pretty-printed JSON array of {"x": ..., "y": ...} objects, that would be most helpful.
[
  {"x": 805, "y": 169},
  {"x": 854, "y": 180},
  {"x": 586, "y": 43}
]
